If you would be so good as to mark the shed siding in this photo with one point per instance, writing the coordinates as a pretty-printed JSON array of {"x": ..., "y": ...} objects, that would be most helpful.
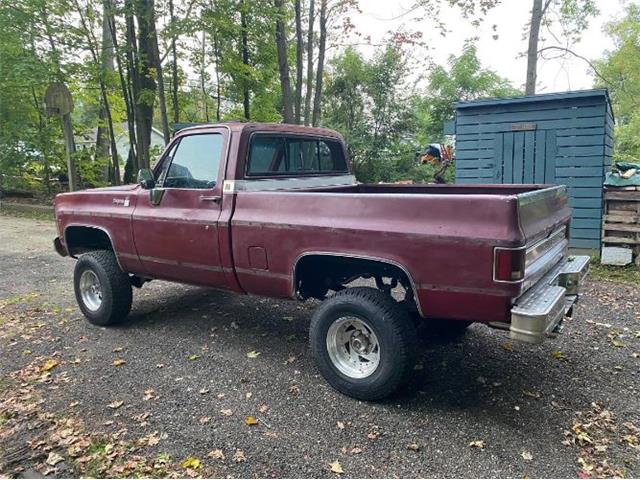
[{"x": 568, "y": 139}]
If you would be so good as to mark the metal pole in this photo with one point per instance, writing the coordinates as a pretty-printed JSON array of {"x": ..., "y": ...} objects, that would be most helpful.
[{"x": 70, "y": 147}]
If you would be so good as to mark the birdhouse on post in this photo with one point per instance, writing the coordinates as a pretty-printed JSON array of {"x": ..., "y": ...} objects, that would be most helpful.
[{"x": 59, "y": 103}]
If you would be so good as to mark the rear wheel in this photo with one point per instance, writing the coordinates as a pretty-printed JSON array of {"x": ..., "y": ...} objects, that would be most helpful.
[
  {"x": 363, "y": 343},
  {"x": 103, "y": 291}
]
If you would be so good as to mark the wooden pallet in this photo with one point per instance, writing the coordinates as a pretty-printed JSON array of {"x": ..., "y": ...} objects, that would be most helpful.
[{"x": 621, "y": 219}]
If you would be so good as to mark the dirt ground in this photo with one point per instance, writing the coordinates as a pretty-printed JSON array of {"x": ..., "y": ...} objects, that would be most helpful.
[{"x": 204, "y": 383}]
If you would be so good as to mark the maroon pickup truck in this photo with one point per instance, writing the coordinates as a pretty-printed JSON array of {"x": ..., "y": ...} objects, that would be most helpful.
[{"x": 274, "y": 210}]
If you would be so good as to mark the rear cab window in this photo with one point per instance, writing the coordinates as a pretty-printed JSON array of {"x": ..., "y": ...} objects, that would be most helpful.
[{"x": 292, "y": 156}]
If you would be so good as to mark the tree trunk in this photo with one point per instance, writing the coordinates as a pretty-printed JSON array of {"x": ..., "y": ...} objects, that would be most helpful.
[
  {"x": 309, "y": 92},
  {"x": 147, "y": 86},
  {"x": 166, "y": 133},
  {"x": 174, "y": 70},
  {"x": 216, "y": 55},
  {"x": 245, "y": 59},
  {"x": 99, "y": 62},
  {"x": 283, "y": 64},
  {"x": 203, "y": 87},
  {"x": 299, "y": 51},
  {"x": 532, "y": 51},
  {"x": 132, "y": 158},
  {"x": 106, "y": 67},
  {"x": 320, "y": 69}
]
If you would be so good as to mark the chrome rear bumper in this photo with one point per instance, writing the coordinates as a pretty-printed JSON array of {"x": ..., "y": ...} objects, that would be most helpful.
[{"x": 539, "y": 312}]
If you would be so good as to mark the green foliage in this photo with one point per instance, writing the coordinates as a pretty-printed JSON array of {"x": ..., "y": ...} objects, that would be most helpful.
[
  {"x": 462, "y": 79},
  {"x": 386, "y": 122},
  {"x": 367, "y": 102},
  {"x": 29, "y": 149},
  {"x": 619, "y": 71}
]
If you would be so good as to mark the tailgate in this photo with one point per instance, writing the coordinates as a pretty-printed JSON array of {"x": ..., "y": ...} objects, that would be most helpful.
[
  {"x": 542, "y": 211},
  {"x": 544, "y": 217}
]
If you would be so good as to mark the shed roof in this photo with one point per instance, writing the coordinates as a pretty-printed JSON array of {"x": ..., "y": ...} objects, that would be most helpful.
[{"x": 545, "y": 97}]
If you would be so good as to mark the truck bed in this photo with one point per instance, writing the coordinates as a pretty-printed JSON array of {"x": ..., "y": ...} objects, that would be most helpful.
[{"x": 433, "y": 230}]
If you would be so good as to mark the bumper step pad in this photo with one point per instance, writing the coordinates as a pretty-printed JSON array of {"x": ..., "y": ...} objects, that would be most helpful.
[{"x": 539, "y": 312}]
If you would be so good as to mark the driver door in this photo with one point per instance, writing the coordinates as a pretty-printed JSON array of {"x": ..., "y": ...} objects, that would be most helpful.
[{"x": 176, "y": 234}]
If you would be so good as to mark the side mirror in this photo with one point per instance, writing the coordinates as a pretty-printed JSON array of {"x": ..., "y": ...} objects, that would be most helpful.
[{"x": 145, "y": 179}]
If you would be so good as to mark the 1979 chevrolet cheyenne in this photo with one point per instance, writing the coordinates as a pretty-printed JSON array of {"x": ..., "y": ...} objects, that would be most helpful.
[{"x": 274, "y": 210}]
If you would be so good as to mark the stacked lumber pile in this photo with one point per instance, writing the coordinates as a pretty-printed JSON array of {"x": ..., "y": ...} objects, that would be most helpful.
[{"x": 621, "y": 225}]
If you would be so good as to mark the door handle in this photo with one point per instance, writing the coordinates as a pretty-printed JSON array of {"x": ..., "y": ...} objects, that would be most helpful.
[{"x": 211, "y": 198}]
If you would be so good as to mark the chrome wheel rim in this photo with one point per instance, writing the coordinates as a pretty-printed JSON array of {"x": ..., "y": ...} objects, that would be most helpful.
[
  {"x": 353, "y": 347},
  {"x": 90, "y": 290}
]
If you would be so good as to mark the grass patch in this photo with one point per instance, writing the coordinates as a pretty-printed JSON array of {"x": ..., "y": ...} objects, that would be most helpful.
[
  {"x": 24, "y": 298},
  {"x": 628, "y": 274},
  {"x": 9, "y": 210}
]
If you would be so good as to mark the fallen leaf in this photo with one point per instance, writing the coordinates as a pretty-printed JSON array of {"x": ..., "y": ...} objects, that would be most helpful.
[
  {"x": 340, "y": 425},
  {"x": 356, "y": 450},
  {"x": 532, "y": 394},
  {"x": 190, "y": 462},
  {"x": 227, "y": 412},
  {"x": 413, "y": 447},
  {"x": 336, "y": 467},
  {"x": 119, "y": 361},
  {"x": 253, "y": 354},
  {"x": 373, "y": 435},
  {"x": 508, "y": 346},
  {"x": 239, "y": 457},
  {"x": 294, "y": 389},
  {"x": 53, "y": 459},
  {"x": 526, "y": 455},
  {"x": 617, "y": 343},
  {"x": 50, "y": 365},
  {"x": 263, "y": 408},
  {"x": 153, "y": 439},
  {"x": 216, "y": 454},
  {"x": 116, "y": 404},
  {"x": 478, "y": 444},
  {"x": 204, "y": 420},
  {"x": 558, "y": 355},
  {"x": 193, "y": 357},
  {"x": 249, "y": 420},
  {"x": 149, "y": 394}
]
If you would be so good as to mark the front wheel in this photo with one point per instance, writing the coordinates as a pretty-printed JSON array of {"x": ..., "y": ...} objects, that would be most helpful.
[
  {"x": 363, "y": 342},
  {"x": 102, "y": 289}
]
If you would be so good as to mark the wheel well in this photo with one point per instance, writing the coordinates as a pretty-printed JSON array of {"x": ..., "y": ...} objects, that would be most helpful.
[
  {"x": 315, "y": 274},
  {"x": 83, "y": 239}
]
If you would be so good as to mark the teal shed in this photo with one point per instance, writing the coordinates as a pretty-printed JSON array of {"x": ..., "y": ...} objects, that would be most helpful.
[{"x": 556, "y": 138}]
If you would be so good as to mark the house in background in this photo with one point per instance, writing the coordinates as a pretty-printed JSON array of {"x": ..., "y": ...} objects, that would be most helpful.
[{"x": 87, "y": 139}]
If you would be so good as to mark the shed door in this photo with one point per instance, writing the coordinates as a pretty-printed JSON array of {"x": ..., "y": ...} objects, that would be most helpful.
[{"x": 525, "y": 157}]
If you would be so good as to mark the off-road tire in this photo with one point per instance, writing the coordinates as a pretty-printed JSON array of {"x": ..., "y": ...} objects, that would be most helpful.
[
  {"x": 393, "y": 328},
  {"x": 115, "y": 285}
]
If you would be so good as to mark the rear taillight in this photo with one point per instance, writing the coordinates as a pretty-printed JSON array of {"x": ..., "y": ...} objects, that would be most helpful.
[{"x": 508, "y": 264}]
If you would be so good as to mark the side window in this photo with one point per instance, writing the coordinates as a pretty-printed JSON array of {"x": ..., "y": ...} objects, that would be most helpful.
[
  {"x": 194, "y": 163},
  {"x": 295, "y": 156}
]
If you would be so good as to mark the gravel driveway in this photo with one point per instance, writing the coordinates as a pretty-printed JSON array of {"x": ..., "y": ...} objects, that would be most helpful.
[{"x": 176, "y": 390}]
